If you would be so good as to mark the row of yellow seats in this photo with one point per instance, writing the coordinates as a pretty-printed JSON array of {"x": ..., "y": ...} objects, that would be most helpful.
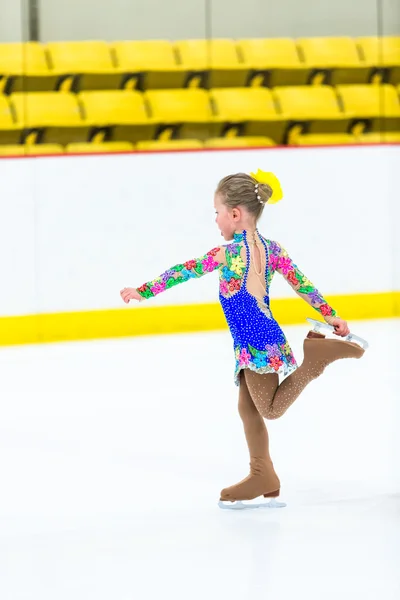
[
  {"x": 219, "y": 106},
  {"x": 142, "y": 146},
  {"x": 193, "y": 144},
  {"x": 132, "y": 107},
  {"x": 165, "y": 64}
]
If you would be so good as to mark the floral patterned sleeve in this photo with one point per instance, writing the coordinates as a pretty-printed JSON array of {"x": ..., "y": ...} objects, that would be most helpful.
[
  {"x": 280, "y": 261},
  {"x": 191, "y": 269}
]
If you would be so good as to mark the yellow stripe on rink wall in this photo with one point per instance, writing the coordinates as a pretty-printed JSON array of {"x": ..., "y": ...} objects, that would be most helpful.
[{"x": 156, "y": 320}]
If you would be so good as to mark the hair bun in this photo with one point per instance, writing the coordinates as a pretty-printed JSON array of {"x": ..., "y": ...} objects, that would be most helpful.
[
  {"x": 263, "y": 192},
  {"x": 269, "y": 179}
]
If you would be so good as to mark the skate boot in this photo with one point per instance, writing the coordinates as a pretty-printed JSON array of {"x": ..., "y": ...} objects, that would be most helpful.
[
  {"x": 262, "y": 481},
  {"x": 319, "y": 326},
  {"x": 320, "y": 351}
]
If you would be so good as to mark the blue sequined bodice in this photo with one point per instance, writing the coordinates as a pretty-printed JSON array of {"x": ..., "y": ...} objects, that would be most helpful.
[{"x": 259, "y": 342}]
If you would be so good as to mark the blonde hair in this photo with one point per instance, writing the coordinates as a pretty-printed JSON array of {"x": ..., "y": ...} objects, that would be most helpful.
[{"x": 240, "y": 190}]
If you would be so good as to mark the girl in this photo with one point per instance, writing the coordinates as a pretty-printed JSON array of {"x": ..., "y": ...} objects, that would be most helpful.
[{"x": 246, "y": 266}]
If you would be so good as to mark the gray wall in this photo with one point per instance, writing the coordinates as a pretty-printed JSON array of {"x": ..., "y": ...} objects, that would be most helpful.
[
  {"x": 177, "y": 19},
  {"x": 12, "y": 26}
]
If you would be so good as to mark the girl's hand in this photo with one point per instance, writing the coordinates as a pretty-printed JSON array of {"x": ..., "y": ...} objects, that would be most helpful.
[
  {"x": 128, "y": 294},
  {"x": 341, "y": 327}
]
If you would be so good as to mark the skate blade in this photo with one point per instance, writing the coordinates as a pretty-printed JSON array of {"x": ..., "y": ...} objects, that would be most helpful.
[
  {"x": 318, "y": 326},
  {"x": 241, "y": 505}
]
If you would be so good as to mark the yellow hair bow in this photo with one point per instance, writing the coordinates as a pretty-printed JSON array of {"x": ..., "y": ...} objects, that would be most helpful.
[{"x": 273, "y": 182}]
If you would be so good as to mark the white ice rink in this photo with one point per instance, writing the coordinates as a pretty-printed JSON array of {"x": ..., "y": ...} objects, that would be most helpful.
[{"x": 113, "y": 454}]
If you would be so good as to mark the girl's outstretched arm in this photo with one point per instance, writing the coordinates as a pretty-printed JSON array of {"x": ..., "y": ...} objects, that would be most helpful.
[
  {"x": 191, "y": 269},
  {"x": 280, "y": 261}
]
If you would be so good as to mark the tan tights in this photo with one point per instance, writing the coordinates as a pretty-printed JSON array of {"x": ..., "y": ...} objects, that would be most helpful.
[
  {"x": 271, "y": 399},
  {"x": 261, "y": 397}
]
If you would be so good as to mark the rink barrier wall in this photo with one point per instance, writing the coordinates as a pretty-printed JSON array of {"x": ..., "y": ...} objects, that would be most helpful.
[
  {"x": 159, "y": 320},
  {"x": 75, "y": 230}
]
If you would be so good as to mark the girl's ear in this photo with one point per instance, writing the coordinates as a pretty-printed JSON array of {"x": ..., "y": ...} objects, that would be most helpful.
[{"x": 236, "y": 214}]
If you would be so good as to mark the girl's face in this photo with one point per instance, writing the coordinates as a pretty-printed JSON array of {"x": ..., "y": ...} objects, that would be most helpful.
[{"x": 226, "y": 218}]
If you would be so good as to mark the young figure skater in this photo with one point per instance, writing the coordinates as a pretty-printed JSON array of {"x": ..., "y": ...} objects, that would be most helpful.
[{"x": 246, "y": 266}]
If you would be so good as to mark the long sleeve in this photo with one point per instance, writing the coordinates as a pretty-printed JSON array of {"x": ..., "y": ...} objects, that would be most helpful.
[
  {"x": 191, "y": 269},
  {"x": 280, "y": 261}
]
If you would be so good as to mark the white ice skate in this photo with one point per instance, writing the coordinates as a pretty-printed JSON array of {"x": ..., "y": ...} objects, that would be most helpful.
[
  {"x": 250, "y": 504},
  {"x": 320, "y": 327}
]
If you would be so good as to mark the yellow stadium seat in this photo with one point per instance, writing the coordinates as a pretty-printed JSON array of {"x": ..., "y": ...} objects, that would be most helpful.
[
  {"x": 83, "y": 65},
  {"x": 43, "y": 149},
  {"x": 104, "y": 147},
  {"x": 148, "y": 64},
  {"x": 217, "y": 60},
  {"x": 377, "y": 102},
  {"x": 114, "y": 107},
  {"x": 80, "y": 57},
  {"x": 47, "y": 109},
  {"x": 12, "y": 150},
  {"x": 308, "y": 102},
  {"x": 380, "y": 137},
  {"x": 273, "y": 62},
  {"x": 176, "y": 106},
  {"x": 252, "y": 106},
  {"x": 188, "y": 111},
  {"x": 244, "y": 104},
  {"x": 316, "y": 106},
  {"x": 382, "y": 52},
  {"x": 31, "y": 149},
  {"x": 325, "y": 139},
  {"x": 333, "y": 60},
  {"x": 9, "y": 130},
  {"x": 57, "y": 114},
  {"x": 154, "y": 145},
  {"x": 23, "y": 59},
  {"x": 24, "y": 66},
  {"x": 239, "y": 142},
  {"x": 124, "y": 110}
]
